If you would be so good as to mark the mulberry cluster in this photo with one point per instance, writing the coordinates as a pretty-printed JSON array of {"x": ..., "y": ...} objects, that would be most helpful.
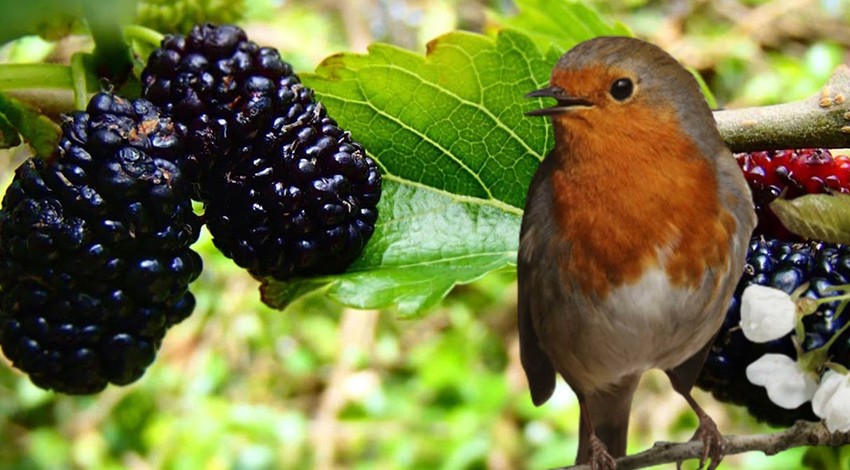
[
  {"x": 94, "y": 241},
  {"x": 286, "y": 192},
  {"x": 94, "y": 249},
  {"x": 778, "y": 258},
  {"x": 785, "y": 266}
]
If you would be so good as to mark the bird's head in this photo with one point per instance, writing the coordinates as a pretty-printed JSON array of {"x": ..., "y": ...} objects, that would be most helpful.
[{"x": 625, "y": 87}]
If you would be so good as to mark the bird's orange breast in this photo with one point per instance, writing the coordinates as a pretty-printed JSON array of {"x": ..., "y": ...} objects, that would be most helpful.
[{"x": 635, "y": 195}]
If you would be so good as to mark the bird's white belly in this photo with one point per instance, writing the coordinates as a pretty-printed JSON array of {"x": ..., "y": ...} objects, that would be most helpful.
[{"x": 639, "y": 326}]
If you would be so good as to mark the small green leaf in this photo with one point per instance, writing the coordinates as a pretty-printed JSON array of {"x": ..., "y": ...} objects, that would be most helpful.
[
  {"x": 456, "y": 153},
  {"x": 821, "y": 217},
  {"x": 562, "y": 24},
  {"x": 706, "y": 91},
  {"x": 9, "y": 136},
  {"x": 36, "y": 129}
]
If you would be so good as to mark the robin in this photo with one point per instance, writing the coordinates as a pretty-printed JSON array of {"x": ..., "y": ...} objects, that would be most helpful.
[{"x": 633, "y": 238}]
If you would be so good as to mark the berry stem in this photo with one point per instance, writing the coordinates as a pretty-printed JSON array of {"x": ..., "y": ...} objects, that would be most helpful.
[
  {"x": 49, "y": 88},
  {"x": 814, "y": 360},
  {"x": 838, "y": 333},
  {"x": 78, "y": 80},
  {"x": 35, "y": 76},
  {"x": 142, "y": 34},
  {"x": 112, "y": 56},
  {"x": 838, "y": 367},
  {"x": 836, "y": 298}
]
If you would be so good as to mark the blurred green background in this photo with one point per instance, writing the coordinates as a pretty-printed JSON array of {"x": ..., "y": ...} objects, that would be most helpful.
[{"x": 240, "y": 386}]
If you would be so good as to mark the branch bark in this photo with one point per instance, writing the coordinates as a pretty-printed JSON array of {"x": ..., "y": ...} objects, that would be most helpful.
[
  {"x": 821, "y": 121},
  {"x": 802, "y": 433}
]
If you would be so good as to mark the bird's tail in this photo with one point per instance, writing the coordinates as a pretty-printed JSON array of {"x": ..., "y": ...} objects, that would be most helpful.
[{"x": 608, "y": 414}]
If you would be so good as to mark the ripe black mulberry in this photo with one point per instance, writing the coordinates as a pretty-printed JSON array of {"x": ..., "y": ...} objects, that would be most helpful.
[
  {"x": 286, "y": 192},
  {"x": 94, "y": 249}
]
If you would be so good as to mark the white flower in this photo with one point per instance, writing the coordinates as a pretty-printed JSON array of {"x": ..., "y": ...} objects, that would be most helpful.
[
  {"x": 767, "y": 313},
  {"x": 832, "y": 401},
  {"x": 786, "y": 383}
]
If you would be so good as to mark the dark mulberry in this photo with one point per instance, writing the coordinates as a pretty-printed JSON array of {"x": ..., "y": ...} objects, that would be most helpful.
[
  {"x": 286, "y": 192},
  {"x": 785, "y": 266},
  {"x": 225, "y": 89},
  {"x": 94, "y": 249}
]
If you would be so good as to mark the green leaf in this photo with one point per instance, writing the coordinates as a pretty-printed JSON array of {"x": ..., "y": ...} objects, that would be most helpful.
[
  {"x": 49, "y": 18},
  {"x": 9, "y": 136},
  {"x": 456, "y": 153},
  {"x": 425, "y": 243},
  {"x": 562, "y": 24},
  {"x": 36, "y": 129},
  {"x": 455, "y": 149},
  {"x": 706, "y": 91},
  {"x": 821, "y": 217},
  {"x": 53, "y": 19}
]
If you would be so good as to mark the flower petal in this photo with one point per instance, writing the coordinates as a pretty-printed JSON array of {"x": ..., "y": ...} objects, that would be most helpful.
[
  {"x": 831, "y": 401},
  {"x": 787, "y": 385},
  {"x": 766, "y": 313}
]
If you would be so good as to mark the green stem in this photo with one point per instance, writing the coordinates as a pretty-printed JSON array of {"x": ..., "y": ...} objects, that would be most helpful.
[
  {"x": 78, "y": 79},
  {"x": 35, "y": 76},
  {"x": 112, "y": 57},
  {"x": 814, "y": 360},
  {"x": 835, "y": 337},
  {"x": 139, "y": 33},
  {"x": 835, "y": 298}
]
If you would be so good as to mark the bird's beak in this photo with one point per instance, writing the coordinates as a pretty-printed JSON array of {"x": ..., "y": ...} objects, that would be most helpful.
[{"x": 565, "y": 101}]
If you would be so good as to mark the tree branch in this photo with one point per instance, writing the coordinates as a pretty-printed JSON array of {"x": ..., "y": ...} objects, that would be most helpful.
[
  {"x": 802, "y": 433},
  {"x": 822, "y": 121}
]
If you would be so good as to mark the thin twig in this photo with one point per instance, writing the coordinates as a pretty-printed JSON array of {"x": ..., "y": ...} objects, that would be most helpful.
[{"x": 802, "y": 433}]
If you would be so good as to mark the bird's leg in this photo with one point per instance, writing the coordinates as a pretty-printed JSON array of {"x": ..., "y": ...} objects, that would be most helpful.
[
  {"x": 597, "y": 453},
  {"x": 712, "y": 440}
]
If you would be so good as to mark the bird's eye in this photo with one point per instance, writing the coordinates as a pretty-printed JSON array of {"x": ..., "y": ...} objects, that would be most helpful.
[{"x": 621, "y": 89}]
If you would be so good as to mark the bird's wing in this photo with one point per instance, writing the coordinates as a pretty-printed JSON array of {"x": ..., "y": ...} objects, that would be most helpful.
[
  {"x": 538, "y": 368},
  {"x": 534, "y": 282}
]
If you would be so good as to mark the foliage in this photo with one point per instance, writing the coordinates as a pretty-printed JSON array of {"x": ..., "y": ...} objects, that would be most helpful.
[
  {"x": 816, "y": 216},
  {"x": 169, "y": 16},
  {"x": 18, "y": 119},
  {"x": 240, "y": 385},
  {"x": 456, "y": 154},
  {"x": 560, "y": 24}
]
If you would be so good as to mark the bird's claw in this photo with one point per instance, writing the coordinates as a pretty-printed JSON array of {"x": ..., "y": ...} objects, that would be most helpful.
[
  {"x": 600, "y": 459},
  {"x": 712, "y": 443}
]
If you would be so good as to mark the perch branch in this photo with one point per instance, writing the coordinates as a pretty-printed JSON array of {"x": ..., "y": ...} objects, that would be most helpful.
[
  {"x": 802, "y": 433},
  {"x": 822, "y": 120}
]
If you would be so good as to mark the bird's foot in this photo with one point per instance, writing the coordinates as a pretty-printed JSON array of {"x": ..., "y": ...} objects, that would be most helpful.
[
  {"x": 712, "y": 442},
  {"x": 600, "y": 459}
]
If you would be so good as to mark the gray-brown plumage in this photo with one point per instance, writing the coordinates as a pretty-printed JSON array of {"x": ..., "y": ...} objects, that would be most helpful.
[{"x": 633, "y": 238}]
